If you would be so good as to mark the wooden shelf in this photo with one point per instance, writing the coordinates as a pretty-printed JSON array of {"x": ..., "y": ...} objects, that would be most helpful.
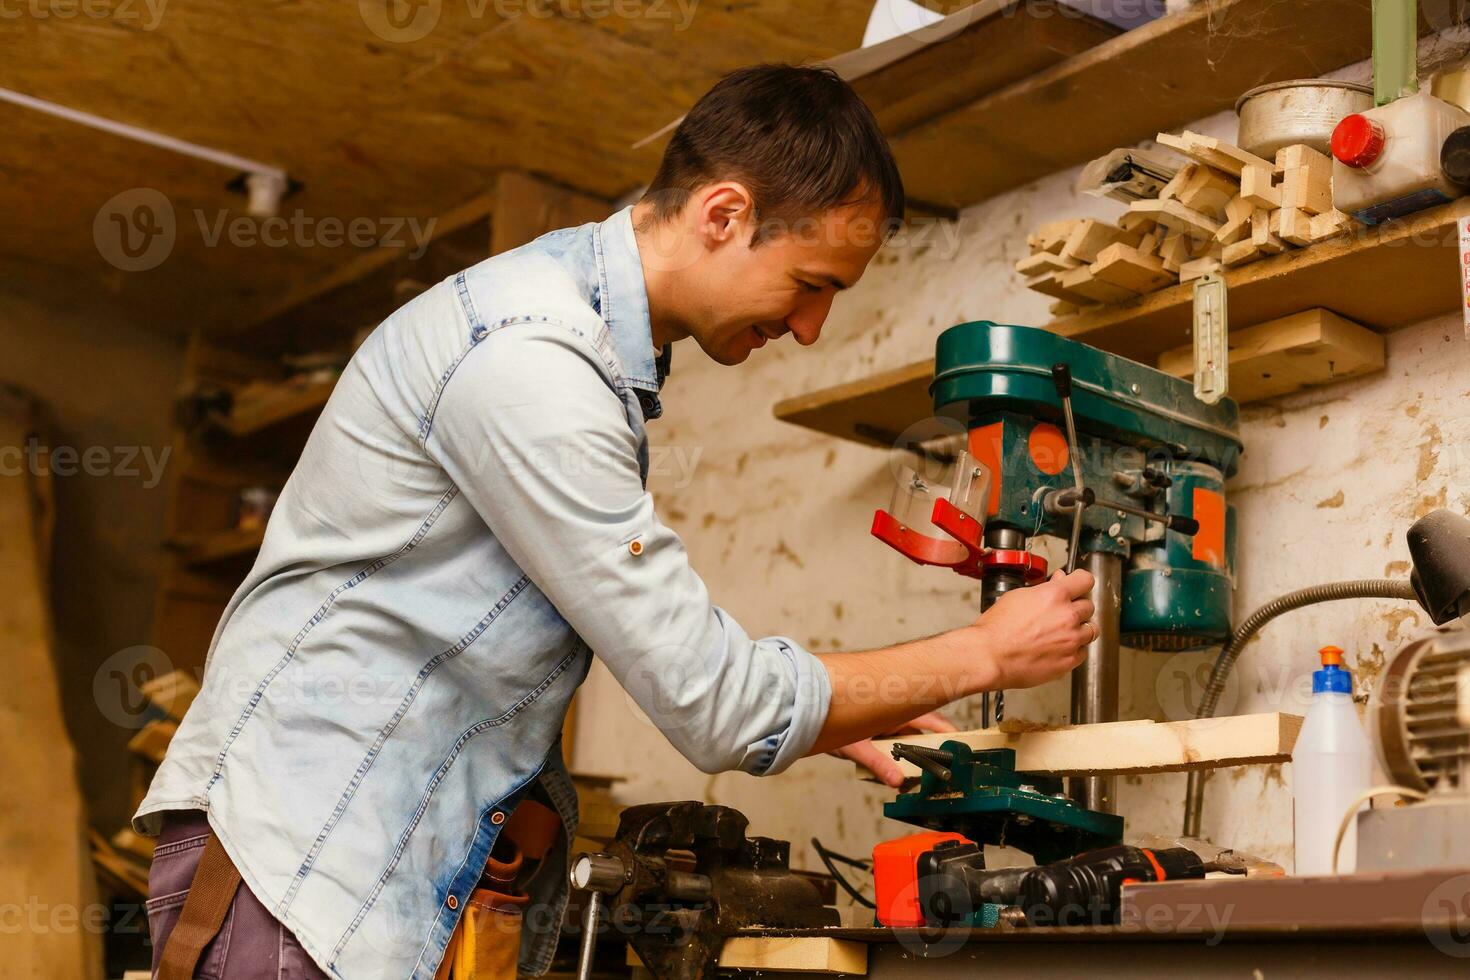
[
  {"x": 908, "y": 80},
  {"x": 265, "y": 407},
  {"x": 1384, "y": 278},
  {"x": 204, "y": 549},
  {"x": 1164, "y": 74}
]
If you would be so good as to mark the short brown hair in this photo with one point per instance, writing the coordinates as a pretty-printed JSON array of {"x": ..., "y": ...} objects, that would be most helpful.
[{"x": 799, "y": 138}]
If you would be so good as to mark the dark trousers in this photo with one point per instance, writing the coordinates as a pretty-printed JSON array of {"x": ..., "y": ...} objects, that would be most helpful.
[{"x": 251, "y": 944}]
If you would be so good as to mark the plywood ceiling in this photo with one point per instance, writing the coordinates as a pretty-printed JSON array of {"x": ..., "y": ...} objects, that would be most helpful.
[{"x": 374, "y": 127}]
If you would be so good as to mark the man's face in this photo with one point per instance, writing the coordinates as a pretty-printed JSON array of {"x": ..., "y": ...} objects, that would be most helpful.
[{"x": 784, "y": 284}]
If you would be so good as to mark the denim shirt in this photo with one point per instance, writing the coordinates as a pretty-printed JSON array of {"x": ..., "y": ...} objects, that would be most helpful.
[{"x": 467, "y": 526}]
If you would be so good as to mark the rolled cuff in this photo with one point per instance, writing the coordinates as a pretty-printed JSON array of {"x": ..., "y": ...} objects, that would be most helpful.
[{"x": 808, "y": 713}]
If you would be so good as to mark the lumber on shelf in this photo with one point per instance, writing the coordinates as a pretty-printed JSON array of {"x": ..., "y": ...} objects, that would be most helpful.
[
  {"x": 1314, "y": 347},
  {"x": 1131, "y": 747}
]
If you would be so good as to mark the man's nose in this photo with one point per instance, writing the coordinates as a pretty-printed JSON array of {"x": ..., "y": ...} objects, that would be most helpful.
[{"x": 805, "y": 322}]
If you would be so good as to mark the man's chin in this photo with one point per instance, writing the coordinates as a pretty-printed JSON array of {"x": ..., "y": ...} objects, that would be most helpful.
[{"x": 731, "y": 355}]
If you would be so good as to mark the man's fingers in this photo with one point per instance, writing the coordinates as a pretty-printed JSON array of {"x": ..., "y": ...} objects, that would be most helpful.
[
  {"x": 1077, "y": 584},
  {"x": 868, "y": 755},
  {"x": 1083, "y": 608}
]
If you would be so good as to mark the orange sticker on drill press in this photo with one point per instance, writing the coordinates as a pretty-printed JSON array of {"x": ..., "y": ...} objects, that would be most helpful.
[
  {"x": 1048, "y": 448},
  {"x": 985, "y": 446},
  {"x": 1209, "y": 541}
]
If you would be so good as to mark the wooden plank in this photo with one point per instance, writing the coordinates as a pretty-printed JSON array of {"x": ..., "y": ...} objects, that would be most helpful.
[
  {"x": 232, "y": 542},
  {"x": 172, "y": 693},
  {"x": 370, "y": 263},
  {"x": 998, "y": 42},
  {"x": 872, "y": 410},
  {"x": 527, "y": 207},
  {"x": 1383, "y": 278},
  {"x": 1130, "y": 747},
  {"x": 1314, "y": 347},
  {"x": 1181, "y": 67},
  {"x": 261, "y": 406},
  {"x": 788, "y": 954}
]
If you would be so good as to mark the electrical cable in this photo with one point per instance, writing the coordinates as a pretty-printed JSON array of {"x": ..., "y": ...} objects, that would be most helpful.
[
  {"x": 827, "y": 857},
  {"x": 1352, "y": 811},
  {"x": 1368, "y": 588}
]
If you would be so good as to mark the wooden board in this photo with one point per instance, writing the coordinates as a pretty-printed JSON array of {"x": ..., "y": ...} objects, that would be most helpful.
[
  {"x": 1176, "y": 69},
  {"x": 1314, "y": 347},
  {"x": 872, "y": 410},
  {"x": 1383, "y": 278},
  {"x": 229, "y": 543},
  {"x": 265, "y": 407},
  {"x": 1132, "y": 747},
  {"x": 789, "y": 954},
  {"x": 527, "y": 207},
  {"x": 997, "y": 42}
]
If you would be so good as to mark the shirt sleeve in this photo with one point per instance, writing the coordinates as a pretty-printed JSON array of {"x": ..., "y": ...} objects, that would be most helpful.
[{"x": 533, "y": 433}]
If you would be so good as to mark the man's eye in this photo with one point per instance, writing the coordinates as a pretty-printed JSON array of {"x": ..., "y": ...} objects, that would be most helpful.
[{"x": 808, "y": 287}]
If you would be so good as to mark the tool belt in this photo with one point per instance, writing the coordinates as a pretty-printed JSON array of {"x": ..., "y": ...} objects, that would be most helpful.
[{"x": 485, "y": 945}]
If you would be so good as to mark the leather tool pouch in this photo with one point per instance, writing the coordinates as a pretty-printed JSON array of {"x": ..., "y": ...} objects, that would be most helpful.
[{"x": 487, "y": 942}]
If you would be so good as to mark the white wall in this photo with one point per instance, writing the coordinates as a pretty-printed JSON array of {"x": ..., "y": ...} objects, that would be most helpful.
[{"x": 776, "y": 520}]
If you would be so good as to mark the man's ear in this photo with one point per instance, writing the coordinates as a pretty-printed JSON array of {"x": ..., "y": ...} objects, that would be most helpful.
[{"x": 726, "y": 213}]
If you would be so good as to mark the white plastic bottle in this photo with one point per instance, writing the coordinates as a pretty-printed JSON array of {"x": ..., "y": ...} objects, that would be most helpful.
[
  {"x": 1386, "y": 160},
  {"x": 1331, "y": 766}
]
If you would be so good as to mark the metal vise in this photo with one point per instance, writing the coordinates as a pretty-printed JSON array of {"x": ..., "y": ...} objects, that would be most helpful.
[{"x": 680, "y": 878}]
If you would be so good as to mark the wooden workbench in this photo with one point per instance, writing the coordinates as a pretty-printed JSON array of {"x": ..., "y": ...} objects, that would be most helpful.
[{"x": 1399, "y": 924}]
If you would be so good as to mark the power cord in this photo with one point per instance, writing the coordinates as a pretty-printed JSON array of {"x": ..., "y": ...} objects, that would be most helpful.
[
  {"x": 1352, "y": 811},
  {"x": 828, "y": 856}
]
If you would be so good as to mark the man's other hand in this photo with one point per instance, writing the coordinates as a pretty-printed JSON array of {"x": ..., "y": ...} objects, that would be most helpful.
[{"x": 878, "y": 762}]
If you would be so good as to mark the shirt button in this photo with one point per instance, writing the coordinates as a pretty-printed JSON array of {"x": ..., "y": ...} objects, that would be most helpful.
[
  {"x": 452, "y": 902},
  {"x": 497, "y": 818},
  {"x": 635, "y": 548}
]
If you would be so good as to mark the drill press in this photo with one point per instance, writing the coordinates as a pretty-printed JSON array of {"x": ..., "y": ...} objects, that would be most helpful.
[{"x": 1118, "y": 459}]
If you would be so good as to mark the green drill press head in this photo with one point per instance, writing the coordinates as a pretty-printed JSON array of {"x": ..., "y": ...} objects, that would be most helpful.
[{"x": 1143, "y": 441}]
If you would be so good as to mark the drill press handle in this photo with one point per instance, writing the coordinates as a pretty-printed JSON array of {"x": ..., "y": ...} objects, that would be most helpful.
[{"x": 1061, "y": 377}]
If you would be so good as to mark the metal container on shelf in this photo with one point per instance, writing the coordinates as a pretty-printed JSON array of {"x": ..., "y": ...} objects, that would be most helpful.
[{"x": 1304, "y": 110}]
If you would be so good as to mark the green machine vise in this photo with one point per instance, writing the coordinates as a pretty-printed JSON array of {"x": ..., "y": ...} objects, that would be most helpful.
[
  {"x": 1116, "y": 458},
  {"x": 979, "y": 794}
]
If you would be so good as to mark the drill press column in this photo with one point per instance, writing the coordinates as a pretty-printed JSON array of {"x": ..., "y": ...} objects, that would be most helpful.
[{"x": 1095, "y": 683}]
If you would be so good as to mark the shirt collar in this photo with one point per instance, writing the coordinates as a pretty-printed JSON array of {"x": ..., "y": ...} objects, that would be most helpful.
[{"x": 623, "y": 303}]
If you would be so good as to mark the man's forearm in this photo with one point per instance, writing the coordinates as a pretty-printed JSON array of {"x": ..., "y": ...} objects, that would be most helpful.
[{"x": 879, "y": 690}]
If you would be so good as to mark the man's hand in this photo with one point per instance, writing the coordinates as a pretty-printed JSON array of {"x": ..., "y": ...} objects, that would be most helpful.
[
  {"x": 873, "y": 759},
  {"x": 1038, "y": 634}
]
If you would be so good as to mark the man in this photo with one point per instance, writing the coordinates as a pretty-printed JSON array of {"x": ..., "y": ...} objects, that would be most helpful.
[{"x": 468, "y": 526}]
